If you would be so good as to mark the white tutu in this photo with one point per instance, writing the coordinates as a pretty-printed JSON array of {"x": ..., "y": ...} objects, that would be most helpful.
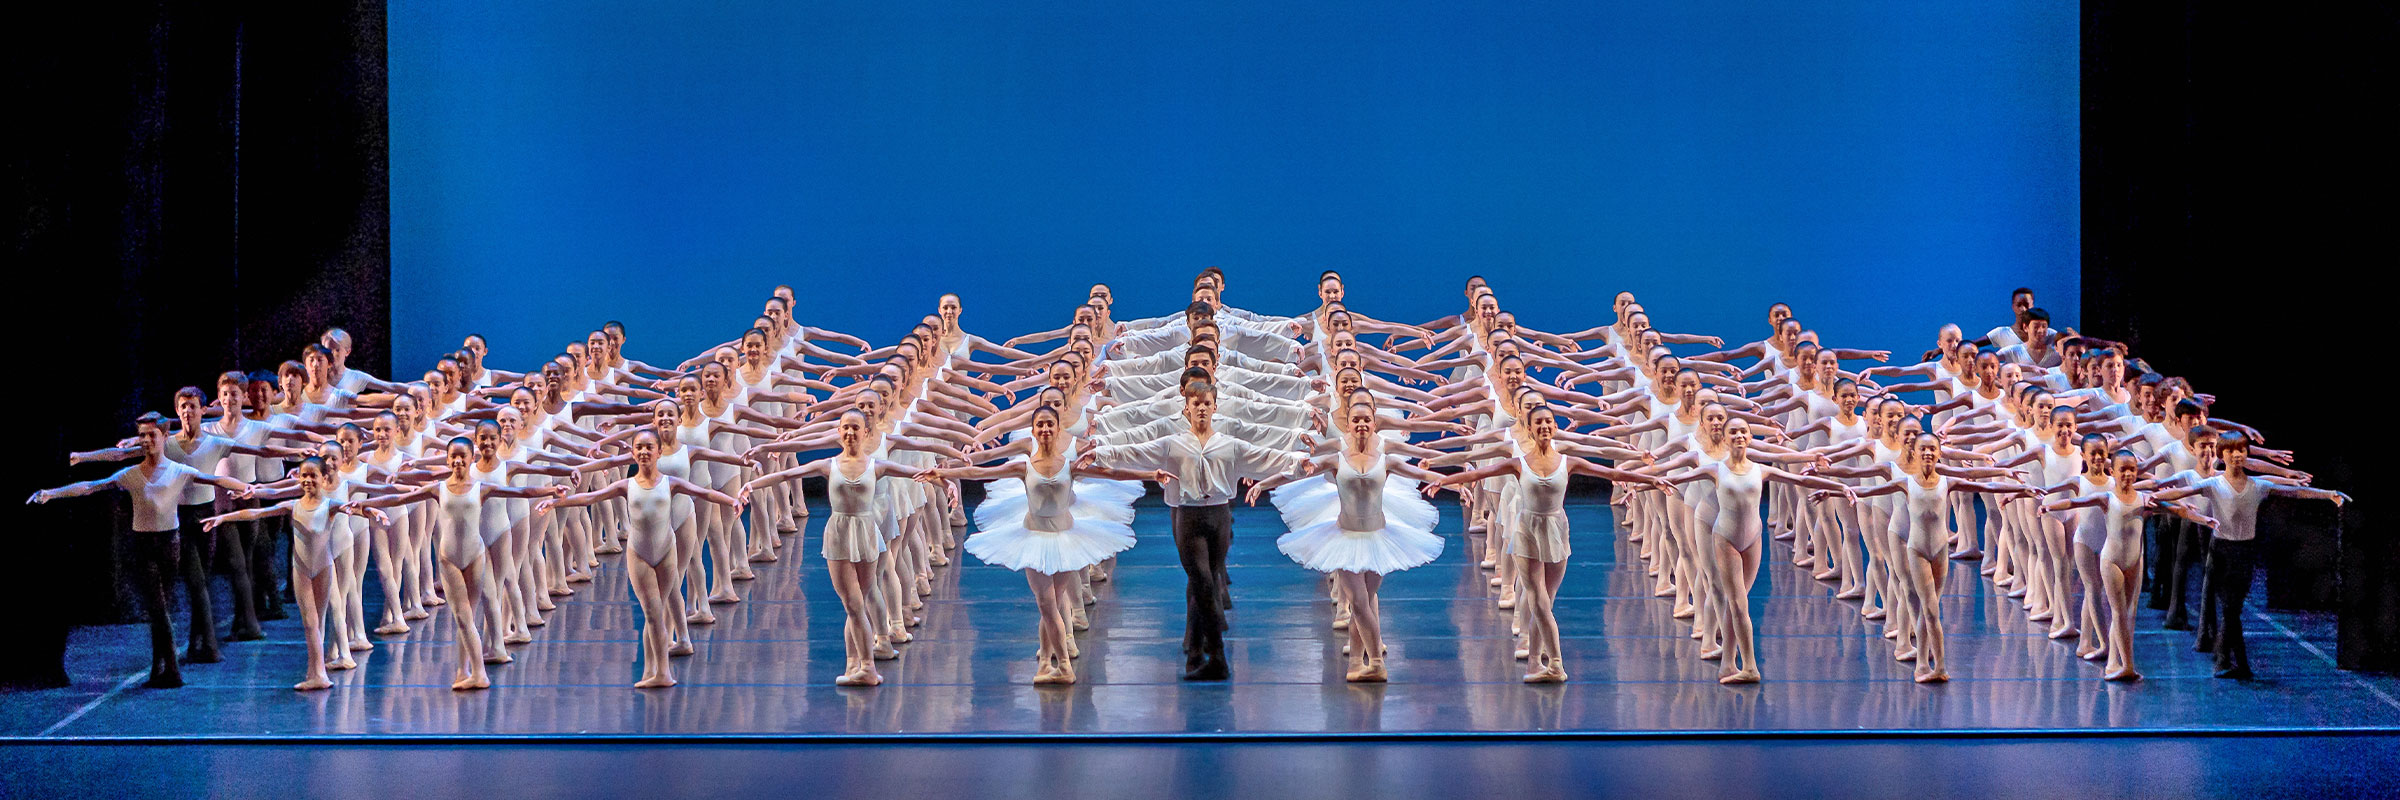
[
  {"x": 1097, "y": 490},
  {"x": 1313, "y": 501},
  {"x": 1009, "y": 544},
  {"x": 1009, "y": 509},
  {"x": 1325, "y": 547}
]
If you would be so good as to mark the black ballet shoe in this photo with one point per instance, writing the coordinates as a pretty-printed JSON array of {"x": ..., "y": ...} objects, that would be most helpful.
[
  {"x": 249, "y": 635},
  {"x": 2174, "y": 624},
  {"x": 168, "y": 681},
  {"x": 1214, "y": 669}
]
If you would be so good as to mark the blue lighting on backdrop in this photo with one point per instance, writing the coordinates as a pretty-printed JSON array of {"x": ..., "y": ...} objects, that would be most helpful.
[{"x": 1884, "y": 166}]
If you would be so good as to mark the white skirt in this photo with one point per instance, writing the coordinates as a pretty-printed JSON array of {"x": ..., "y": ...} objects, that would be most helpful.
[
  {"x": 1325, "y": 547},
  {"x": 1012, "y": 545}
]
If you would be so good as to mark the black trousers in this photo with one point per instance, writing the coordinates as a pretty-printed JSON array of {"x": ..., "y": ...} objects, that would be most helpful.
[
  {"x": 154, "y": 556},
  {"x": 2231, "y": 566},
  {"x": 2178, "y": 547},
  {"x": 259, "y": 538},
  {"x": 199, "y": 550},
  {"x": 233, "y": 548},
  {"x": 1202, "y": 535}
]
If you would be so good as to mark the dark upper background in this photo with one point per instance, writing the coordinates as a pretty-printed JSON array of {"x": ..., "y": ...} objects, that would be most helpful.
[{"x": 198, "y": 188}]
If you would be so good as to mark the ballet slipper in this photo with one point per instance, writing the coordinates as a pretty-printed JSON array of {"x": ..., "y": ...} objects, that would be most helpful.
[
  {"x": 884, "y": 650},
  {"x": 543, "y": 604},
  {"x": 680, "y": 649},
  {"x": 1523, "y": 654},
  {"x": 938, "y": 559},
  {"x": 913, "y": 621},
  {"x": 1488, "y": 564},
  {"x": 744, "y": 575},
  {"x": 1784, "y": 536},
  {"x": 2064, "y": 632},
  {"x": 580, "y": 577},
  {"x": 1082, "y": 620},
  {"x": 520, "y": 637},
  {"x": 313, "y": 684},
  {"x": 1891, "y": 633},
  {"x": 1685, "y": 612},
  {"x": 608, "y": 549},
  {"x": 725, "y": 595},
  {"x": 1664, "y": 590},
  {"x": 561, "y": 590},
  {"x": 1872, "y": 612},
  {"x": 1341, "y": 622},
  {"x": 345, "y": 662},
  {"x": 2017, "y": 591},
  {"x": 1852, "y": 593},
  {"x": 1738, "y": 677},
  {"x": 1547, "y": 675},
  {"x": 1372, "y": 673},
  {"x": 1932, "y": 676},
  {"x": 656, "y": 682},
  {"x": 359, "y": 644},
  {"x": 1712, "y": 653},
  {"x": 901, "y": 636},
  {"x": 415, "y": 613},
  {"x": 1804, "y": 562},
  {"x": 495, "y": 660},
  {"x": 1507, "y": 602},
  {"x": 1074, "y": 650},
  {"x": 787, "y": 529},
  {"x": 1827, "y": 574},
  {"x": 1494, "y": 581},
  {"x": 470, "y": 684},
  {"x": 762, "y": 557},
  {"x": 700, "y": 618},
  {"x": 2043, "y": 615},
  {"x": 2095, "y": 655},
  {"x": 924, "y": 586},
  {"x": 1989, "y": 570},
  {"x": 1905, "y": 654},
  {"x": 392, "y": 628}
]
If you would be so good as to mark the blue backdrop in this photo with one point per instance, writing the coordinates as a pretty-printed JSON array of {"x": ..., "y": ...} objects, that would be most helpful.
[{"x": 1884, "y": 166}]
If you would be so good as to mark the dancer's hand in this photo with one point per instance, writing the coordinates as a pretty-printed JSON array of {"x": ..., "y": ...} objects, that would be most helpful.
[
  {"x": 1251, "y": 497},
  {"x": 211, "y": 523},
  {"x": 742, "y": 498},
  {"x": 541, "y": 507},
  {"x": 1088, "y": 460},
  {"x": 377, "y": 516},
  {"x": 38, "y": 498},
  {"x": 2339, "y": 498},
  {"x": 1160, "y": 476},
  {"x": 1715, "y": 341},
  {"x": 1880, "y": 355}
]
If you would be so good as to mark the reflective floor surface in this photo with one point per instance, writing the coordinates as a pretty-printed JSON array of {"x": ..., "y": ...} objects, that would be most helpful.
[{"x": 766, "y": 668}]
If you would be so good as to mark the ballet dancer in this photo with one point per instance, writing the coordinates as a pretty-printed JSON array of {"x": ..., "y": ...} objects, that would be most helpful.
[
  {"x": 313, "y": 529},
  {"x": 651, "y": 552}
]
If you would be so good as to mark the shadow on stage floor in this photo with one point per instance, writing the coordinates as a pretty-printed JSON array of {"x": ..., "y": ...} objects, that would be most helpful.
[{"x": 765, "y": 669}]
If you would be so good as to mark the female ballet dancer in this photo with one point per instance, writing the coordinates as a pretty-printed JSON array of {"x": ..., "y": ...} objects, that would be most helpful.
[
  {"x": 1053, "y": 537},
  {"x": 1735, "y": 544},
  {"x": 156, "y": 486},
  {"x": 680, "y": 453},
  {"x": 651, "y": 558},
  {"x": 1371, "y": 532},
  {"x": 2121, "y": 509},
  {"x": 313, "y": 529},
  {"x": 1925, "y": 560},
  {"x": 853, "y": 538},
  {"x": 1538, "y": 537}
]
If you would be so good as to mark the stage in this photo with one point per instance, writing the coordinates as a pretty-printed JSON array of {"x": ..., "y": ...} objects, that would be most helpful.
[{"x": 764, "y": 671}]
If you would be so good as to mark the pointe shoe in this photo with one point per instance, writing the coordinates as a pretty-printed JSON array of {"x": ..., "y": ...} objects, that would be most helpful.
[
  {"x": 884, "y": 650},
  {"x": 1082, "y": 621},
  {"x": 1905, "y": 654},
  {"x": 1547, "y": 675},
  {"x": 1341, "y": 622},
  {"x": 2094, "y": 655},
  {"x": 1507, "y": 602},
  {"x": 1523, "y": 654},
  {"x": 924, "y": 586},
  {"x": 938, "y": 559}
]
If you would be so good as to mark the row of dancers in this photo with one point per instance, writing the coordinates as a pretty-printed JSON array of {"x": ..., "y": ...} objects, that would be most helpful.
[{"x": 494, "y": 492}]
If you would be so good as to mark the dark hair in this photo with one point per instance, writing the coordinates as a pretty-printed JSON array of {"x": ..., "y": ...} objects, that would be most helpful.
[
  {"x": 1194, "y": 374},
  {"x": 2190, "y": 407},
  {"x": 1200, "y": 309},
  {"x": 2035, "y": 314},
  {"x": 1203, "y": 386},
  {"x": 2021, "y": 291},
  {"x": 150, "y": 418}
]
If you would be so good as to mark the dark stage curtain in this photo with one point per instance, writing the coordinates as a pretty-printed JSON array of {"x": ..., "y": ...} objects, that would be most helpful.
[{"x": 197, "y": 187}]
